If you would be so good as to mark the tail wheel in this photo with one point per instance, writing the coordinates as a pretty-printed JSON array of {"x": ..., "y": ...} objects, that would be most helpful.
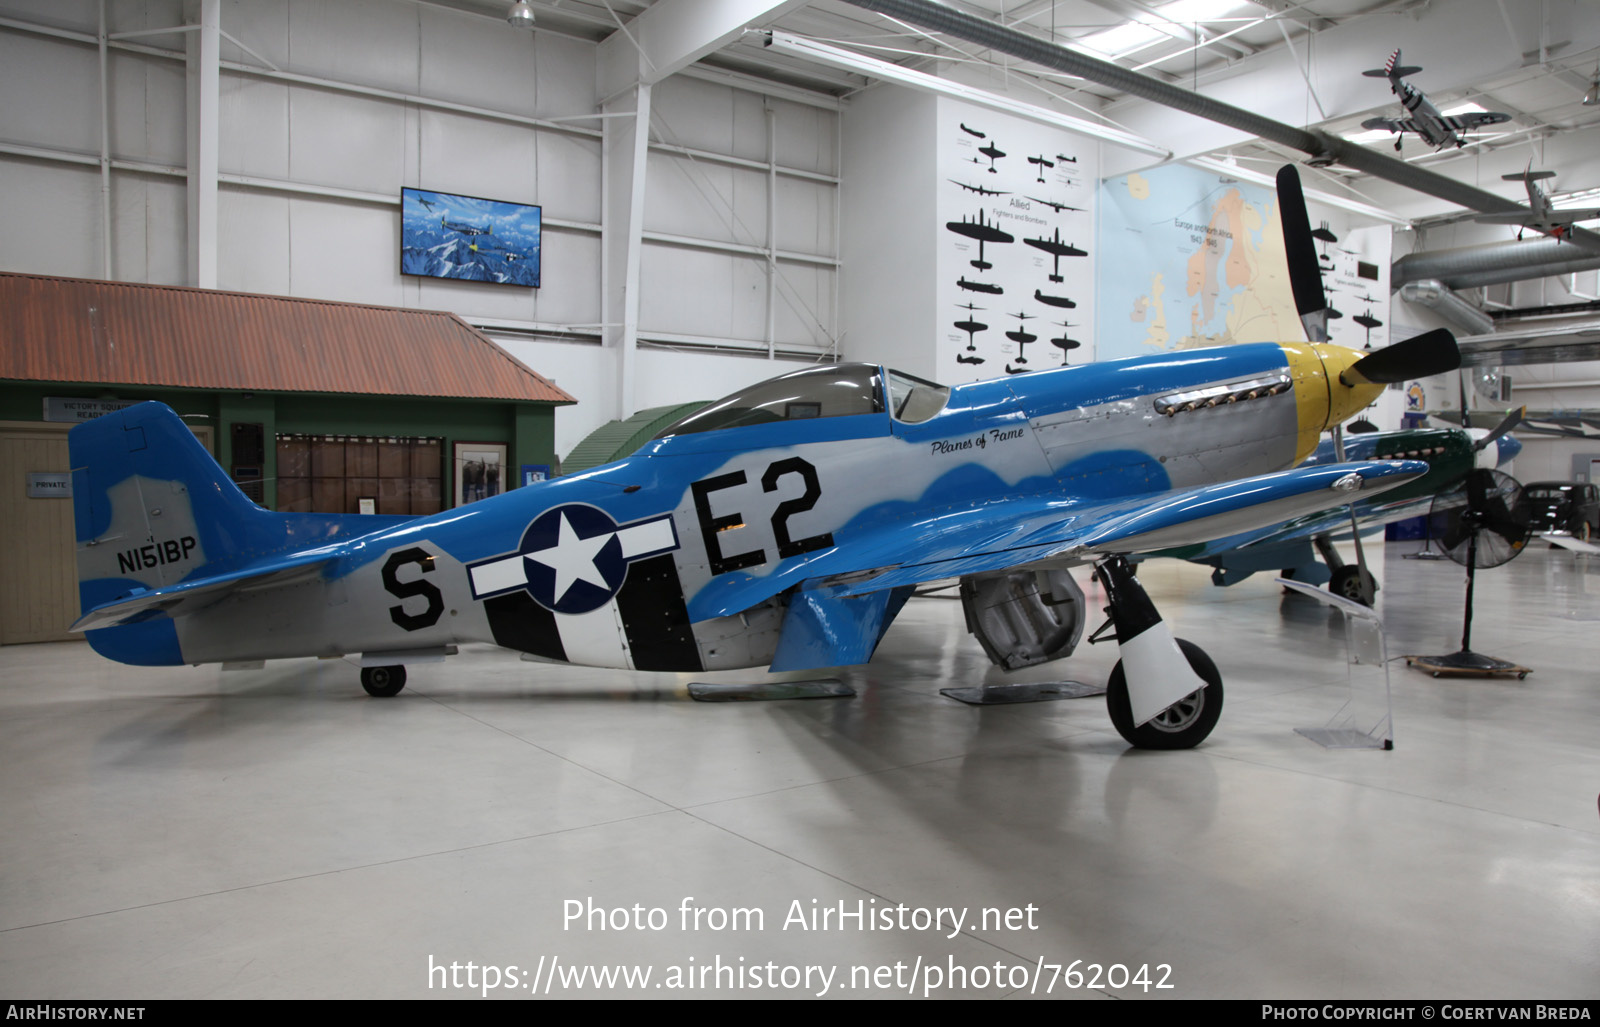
[
  {"x": 1184, "y": 724},
  {"x": 383, "y": 682}
]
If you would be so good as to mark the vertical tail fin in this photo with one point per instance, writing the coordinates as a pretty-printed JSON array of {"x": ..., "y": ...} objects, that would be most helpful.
[{"x": 151, "y": 507}]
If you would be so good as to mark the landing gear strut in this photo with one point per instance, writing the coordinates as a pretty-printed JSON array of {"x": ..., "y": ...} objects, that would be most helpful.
[
  {"x": 383, "y": 682},
  {"x": 1349, "y": 580}
]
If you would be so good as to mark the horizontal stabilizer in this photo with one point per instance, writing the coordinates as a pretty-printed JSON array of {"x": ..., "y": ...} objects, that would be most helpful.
[
  {"x": 146, "y": 604},
  {"x": 1528, "y": 176}
]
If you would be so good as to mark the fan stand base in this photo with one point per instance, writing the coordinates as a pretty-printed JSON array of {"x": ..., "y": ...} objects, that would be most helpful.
[{"x": 1467, "y": 662}]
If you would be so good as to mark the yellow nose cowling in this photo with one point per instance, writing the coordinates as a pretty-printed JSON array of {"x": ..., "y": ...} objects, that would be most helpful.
[{"x": 1321, "y": 398}]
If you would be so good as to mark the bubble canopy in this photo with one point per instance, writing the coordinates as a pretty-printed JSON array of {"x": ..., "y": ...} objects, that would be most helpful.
[{"x": 834, "y": 390}]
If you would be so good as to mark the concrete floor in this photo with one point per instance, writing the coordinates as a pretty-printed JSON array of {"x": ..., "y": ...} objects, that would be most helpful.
[{"x": 277, "y": 833}]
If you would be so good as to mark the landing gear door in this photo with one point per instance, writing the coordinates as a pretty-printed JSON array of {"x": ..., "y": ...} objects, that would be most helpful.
[{"x": 1024, "y": 618}]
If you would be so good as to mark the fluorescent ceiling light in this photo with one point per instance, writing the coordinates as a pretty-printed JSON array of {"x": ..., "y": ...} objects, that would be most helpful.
[
  {"x": 1371, "y": 135},
  {"x": 1187, "y": 12},
  {"x": 1464, "y": 108},
  {"x": 1367, "y": 210},
  {"x": 1172, "y": 20},
  {"x": 1575, "y": 197},
  {"x": 833, "y": 56},
  {"x": 1124, "y": 39},
  {"x": 1566, "y": 201}
]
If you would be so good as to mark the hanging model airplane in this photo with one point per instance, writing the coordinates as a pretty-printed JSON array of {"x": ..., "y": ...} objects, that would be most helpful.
[
  {"x": 783, "y": 526},
  {"x": 1557, "y": 224},
  {"x": 1425, "y": 120}
]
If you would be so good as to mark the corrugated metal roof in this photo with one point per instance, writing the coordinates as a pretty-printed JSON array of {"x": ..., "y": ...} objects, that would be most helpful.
[{"x": 78, "y": 330}]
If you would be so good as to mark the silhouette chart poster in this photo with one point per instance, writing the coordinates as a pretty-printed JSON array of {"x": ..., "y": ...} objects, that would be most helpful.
[{"x": 1015, "y": 230}]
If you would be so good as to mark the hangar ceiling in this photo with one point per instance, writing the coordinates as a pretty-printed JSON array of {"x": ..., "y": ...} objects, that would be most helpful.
[{"x": 1296, "y": 63}]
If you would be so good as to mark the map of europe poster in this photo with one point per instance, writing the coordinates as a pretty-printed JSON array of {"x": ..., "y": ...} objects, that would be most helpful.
[
  {"x": 443, "y": 235},
  {"x": 1199, "y": 261}
]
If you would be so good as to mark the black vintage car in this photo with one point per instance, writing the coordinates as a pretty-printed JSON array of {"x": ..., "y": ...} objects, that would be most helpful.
[{"x": 1569, "y": 507}]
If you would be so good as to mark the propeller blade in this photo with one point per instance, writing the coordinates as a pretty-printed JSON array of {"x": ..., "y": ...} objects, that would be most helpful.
[
  {"x": 1511, "y": 421},
  {"x": 1305, "y": 271},
  {"x": 1427, "y": 354}
]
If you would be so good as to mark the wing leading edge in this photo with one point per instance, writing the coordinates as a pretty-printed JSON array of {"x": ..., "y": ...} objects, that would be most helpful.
[{"x": 1042, "y": 528}]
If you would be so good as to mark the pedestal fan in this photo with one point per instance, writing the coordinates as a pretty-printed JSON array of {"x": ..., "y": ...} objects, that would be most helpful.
[{"x": 1481, "y": 521}]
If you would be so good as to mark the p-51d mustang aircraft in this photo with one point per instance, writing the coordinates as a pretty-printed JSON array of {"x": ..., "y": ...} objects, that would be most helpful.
[{"x": 785, "y": 526}]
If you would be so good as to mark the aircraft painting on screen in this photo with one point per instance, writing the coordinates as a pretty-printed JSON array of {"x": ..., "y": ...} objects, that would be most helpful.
[
  {"x": 1424, "y": 119},
  {"x": 1295, "y": 546},
  {"x": 1557, "y": 224},
  {"x": 784, "y": 527}
]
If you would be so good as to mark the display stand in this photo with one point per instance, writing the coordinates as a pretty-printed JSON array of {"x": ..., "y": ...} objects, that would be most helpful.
[
  {"x": 821, "y": 688},
  {"x": 1038, "y": 691},
  {"x": 1366, "y": 720},
  {"x": 1576, "y": 545}
]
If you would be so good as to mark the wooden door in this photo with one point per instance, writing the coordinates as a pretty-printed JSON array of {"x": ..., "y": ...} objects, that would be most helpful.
[
  {"x": 38, "y": 551},
  {"x": 38, "y": 567}
]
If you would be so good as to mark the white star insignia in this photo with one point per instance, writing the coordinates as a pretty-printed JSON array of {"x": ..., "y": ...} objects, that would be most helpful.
[{"x": 572, "y": 558}]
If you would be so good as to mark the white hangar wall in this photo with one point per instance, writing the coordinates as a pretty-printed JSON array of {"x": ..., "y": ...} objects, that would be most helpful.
[{"x": 373, "y": 95}]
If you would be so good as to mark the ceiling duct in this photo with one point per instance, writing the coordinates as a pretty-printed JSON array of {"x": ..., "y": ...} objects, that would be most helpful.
[
  {"x": 1436, "y": 297},
  {"x": 1472, "y": 266},
  {"x": 1323, "y": 147}
]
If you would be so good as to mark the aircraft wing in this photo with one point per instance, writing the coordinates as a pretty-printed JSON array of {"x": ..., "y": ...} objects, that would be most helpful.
[
  {"x": 1391, "y": 124},
  {"x": 1026, "y": 531},
  {"x": 1335, "y": 522},
  {"x": 1475, "y": 119},
  {"x": 188, "y": 596}
]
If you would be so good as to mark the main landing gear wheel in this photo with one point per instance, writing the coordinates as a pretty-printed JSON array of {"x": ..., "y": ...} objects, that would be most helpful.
[
  {"x": 383, "y": 682},
  {"x": 1183, "y": 725},
  {"x": 1350, "y": 583}
]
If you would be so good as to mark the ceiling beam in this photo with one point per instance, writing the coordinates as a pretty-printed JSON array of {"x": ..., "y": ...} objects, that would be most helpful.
[
  {"x": 670, "y": 35},
  {"x": 1323, "y": 147}
]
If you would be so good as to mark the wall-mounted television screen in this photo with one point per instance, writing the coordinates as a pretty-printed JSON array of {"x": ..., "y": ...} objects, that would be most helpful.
[{"x": 443, "y": 235}]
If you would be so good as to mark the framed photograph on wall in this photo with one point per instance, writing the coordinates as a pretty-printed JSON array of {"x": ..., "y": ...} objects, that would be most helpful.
[
  {"x": 443, "y": 235},
  {"x": 480, "y": 471}
]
